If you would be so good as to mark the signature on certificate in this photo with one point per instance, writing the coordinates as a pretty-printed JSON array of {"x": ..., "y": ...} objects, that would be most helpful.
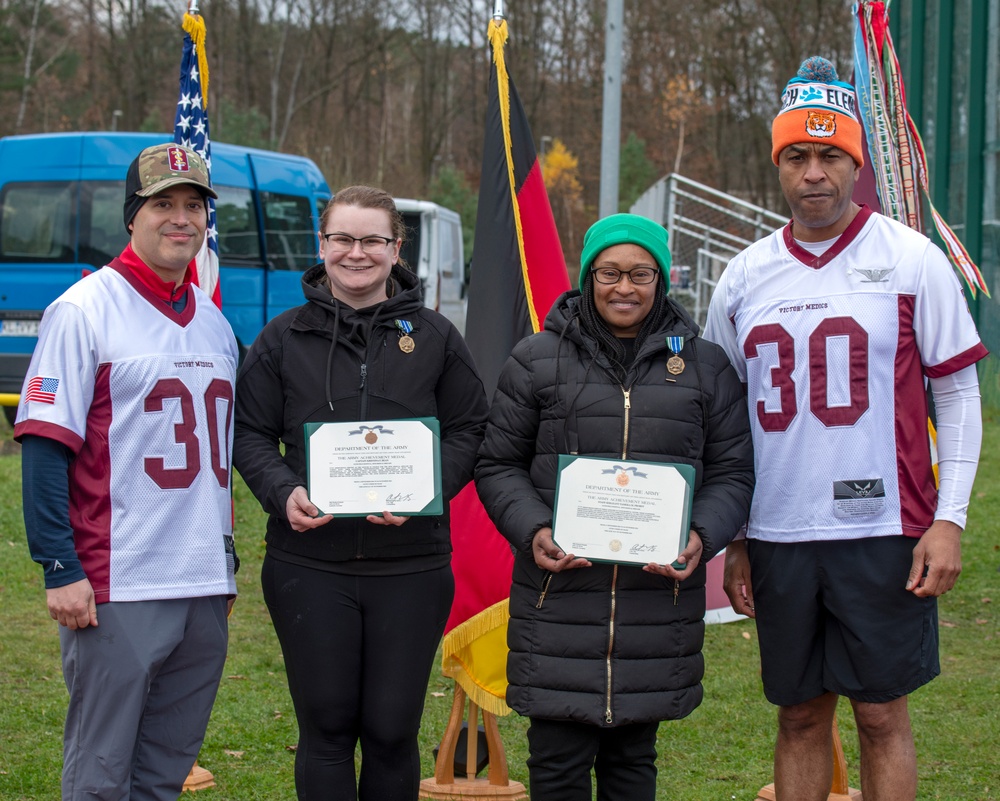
[{"x": 398, "y": 497}]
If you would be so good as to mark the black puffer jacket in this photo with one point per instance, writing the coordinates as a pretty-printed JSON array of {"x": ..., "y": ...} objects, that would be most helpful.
[
  {"x": 610, "y": 645},
  {"x": 325, "y": 354}
]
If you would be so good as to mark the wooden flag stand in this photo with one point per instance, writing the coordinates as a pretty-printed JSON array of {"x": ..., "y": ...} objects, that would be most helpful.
[
  {"x": 198, "y": 779},
  {"x": 445, "y": 785},
  {"x": 839, "y": 790}
]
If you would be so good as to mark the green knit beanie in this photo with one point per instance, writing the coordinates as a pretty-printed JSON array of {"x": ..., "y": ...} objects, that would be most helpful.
[{"x": 619, "y": 229}]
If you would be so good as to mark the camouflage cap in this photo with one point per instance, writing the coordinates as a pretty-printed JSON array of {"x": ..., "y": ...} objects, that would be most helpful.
[{"x": 162, "y": 166}]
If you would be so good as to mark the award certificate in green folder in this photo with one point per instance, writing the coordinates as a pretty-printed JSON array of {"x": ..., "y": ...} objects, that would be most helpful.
[
  {"x": 613, "y": 510},
  {"x": 358, "y": 469}
]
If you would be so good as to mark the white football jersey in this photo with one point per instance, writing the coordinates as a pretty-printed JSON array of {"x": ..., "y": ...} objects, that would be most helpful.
[
  {"x": 143, "y": 396},
  {"x": 834, "y": 350}
]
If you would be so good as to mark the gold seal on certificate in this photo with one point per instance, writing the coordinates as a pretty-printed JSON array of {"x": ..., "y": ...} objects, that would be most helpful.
[
  {"x": 612, "y": 510},
  {"x": 358, "y": 469}
]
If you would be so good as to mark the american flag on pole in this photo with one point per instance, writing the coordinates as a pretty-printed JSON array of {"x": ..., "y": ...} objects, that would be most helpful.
[{"x": 191, "y": 130}]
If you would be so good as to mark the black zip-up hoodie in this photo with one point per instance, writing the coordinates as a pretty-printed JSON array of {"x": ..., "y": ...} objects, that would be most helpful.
[{"x": 327, "y": 362}]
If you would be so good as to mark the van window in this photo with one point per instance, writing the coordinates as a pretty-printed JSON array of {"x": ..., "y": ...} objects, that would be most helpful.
[
  {"x": 102, "y": 230},
  {"x": 451, "y": 242},
  {"x": 236, "y": 221},
  {"x": 36, "y": 222},
  {"x": 289, "y": 231},
  {"x": 410, "y": 252}
]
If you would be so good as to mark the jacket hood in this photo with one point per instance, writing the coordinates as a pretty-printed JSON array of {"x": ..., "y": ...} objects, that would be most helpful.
[
  {"x": 406, "y": 298},
  {"x": 350, "y": 327}
]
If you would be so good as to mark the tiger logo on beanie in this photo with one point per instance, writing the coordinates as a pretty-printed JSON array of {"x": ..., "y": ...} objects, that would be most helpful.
[{"x": 821, "y": 125}]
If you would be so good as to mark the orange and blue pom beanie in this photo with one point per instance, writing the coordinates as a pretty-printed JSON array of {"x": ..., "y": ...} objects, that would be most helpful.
[{"x": 816, "y": 107}]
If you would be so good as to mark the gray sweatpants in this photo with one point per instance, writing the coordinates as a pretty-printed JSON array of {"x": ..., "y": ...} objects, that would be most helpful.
[{"x": 141, "y": 688}]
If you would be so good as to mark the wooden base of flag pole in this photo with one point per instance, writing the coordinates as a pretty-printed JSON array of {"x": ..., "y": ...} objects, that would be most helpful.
[
  {"x": 198, "y": 779},
  {"x": 839, "y": 790},
  {"x": 445, "y": 785}
]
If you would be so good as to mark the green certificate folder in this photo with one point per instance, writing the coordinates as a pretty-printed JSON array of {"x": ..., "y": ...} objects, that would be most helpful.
[
  {"x": 363, "y": 468},
  {"x": 616, "y": 510}
]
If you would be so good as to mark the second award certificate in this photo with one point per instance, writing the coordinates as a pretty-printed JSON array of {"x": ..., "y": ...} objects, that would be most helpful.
[{"x": 613, "y": 510}]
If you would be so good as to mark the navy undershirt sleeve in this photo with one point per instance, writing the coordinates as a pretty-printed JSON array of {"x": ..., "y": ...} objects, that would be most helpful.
[{"x": 45, "y": 489}]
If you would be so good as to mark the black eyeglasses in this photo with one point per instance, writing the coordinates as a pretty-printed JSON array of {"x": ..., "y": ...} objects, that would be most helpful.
[
  {"x": 609, "y": 275},
  {"x": 343, "y": 243}
]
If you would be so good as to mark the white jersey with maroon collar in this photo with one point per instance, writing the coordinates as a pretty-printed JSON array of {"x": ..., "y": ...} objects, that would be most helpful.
[
  {"x": 834, "y": 350},
  {"x": 143, "y": 396}
]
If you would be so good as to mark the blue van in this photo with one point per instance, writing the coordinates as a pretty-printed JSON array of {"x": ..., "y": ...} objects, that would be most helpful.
[{"x": 61, "y": 216}]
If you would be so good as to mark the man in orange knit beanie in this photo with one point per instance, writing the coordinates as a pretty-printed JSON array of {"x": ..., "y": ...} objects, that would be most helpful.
[{"x": 834, "y": 323}]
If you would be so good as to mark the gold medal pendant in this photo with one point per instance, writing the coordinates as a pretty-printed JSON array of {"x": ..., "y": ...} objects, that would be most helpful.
[
  {"x": 406, "y": 343},
  {"x": 675, "y": 365}
]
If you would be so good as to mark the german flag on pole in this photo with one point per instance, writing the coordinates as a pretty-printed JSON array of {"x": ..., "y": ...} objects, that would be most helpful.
[
  {"x": 518, "y": 268},
  {"x": 518, "y": 271}
]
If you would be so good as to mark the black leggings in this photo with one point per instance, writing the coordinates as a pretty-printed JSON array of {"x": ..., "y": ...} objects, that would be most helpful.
[{"x": 358, "y": 652}]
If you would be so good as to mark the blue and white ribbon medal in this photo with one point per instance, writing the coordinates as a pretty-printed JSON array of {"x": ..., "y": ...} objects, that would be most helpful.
[
  {"x": 406, "y": 343},
  {"x": 675, "y": 364}
]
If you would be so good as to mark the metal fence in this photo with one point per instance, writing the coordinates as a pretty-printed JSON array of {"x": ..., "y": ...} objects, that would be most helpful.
[{"x": 707, "y": 228}]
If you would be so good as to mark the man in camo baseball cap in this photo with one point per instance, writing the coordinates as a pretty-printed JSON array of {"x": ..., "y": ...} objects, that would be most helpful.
[{"x": 159, "y": 167}]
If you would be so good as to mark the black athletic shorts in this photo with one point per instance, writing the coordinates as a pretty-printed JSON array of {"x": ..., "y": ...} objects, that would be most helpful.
[{"x": 836, "y": 617}]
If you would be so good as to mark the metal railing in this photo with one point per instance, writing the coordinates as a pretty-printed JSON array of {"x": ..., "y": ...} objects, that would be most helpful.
[{"x": 707, "y": 228}]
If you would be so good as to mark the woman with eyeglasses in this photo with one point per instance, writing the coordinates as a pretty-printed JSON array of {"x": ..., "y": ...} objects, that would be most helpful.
[
  {"x": 602, "y": 651},
  {"x": 359, "y": 604}
]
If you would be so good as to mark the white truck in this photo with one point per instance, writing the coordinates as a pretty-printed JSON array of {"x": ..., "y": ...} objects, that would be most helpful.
[{"x": 434, "y": 251}]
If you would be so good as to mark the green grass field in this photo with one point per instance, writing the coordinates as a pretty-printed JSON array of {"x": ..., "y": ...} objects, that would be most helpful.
[{"x": 723, "y": 751}]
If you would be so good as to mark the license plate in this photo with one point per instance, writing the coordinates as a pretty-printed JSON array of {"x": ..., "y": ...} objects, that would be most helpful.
[{"x": 18, "y": 328}]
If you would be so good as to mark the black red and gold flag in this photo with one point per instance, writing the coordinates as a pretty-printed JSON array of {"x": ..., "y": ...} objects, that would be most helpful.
[
  {"x": 518, "y": 271},
  {"x": 518, "y": 268}
]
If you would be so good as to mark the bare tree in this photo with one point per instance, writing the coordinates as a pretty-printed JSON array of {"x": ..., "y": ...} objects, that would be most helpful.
[
  {"x": 41, "y": 23},
  {"x": 388, "y": 91}
]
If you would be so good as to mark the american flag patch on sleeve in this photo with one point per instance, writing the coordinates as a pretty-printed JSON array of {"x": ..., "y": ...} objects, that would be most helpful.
[{"x": 42, "y": 390}]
